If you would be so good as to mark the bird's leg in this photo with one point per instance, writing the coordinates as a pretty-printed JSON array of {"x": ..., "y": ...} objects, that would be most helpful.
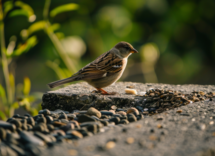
[{"x": 103, "y": 92}]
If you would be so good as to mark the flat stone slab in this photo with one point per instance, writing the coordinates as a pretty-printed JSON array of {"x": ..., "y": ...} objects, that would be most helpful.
[
  {"x": 191, "y": 132},
  {"x": 79, "y": 96}
]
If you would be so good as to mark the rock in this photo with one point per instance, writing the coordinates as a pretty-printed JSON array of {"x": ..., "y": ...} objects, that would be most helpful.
[
  {"x": 133, "y": 110},
  {"x": 31, "y": 139},
  {"x": 85, "y": 118},
  {"x": 43, "y": 137},
  {"x": 107, "y": 113},
  {"x": 17, "y": 149},
  {"x": 75, "y": 134},
  {"x": 116, "y": 120},
  {"x": 6, "y": 151},
  {"x": 7, "y": 125},
  {"x": 2, "y": 134},
  {"x": 92, "y": 111}
]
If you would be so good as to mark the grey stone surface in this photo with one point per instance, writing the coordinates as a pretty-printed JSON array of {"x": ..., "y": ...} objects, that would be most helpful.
[
  {"x": 191, "y": 132},
  {"x": 80, "y": 96}
]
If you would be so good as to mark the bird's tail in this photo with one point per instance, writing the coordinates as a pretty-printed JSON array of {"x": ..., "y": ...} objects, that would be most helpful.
[{"x": 60, "y": 82}]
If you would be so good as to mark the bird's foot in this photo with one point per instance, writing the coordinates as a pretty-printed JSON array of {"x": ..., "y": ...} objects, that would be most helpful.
[{"x": 103, "y": 92}]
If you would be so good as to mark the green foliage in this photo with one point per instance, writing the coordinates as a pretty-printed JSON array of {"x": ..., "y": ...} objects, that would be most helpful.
[
  {"x": 63, "y": 8},
  {"x": 8, "y": 102}
]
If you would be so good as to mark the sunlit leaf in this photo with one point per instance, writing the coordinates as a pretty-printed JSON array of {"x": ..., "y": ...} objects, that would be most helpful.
[
  {"x": 31, "y": 42},
  {"x": 30, "y": 12},
  {"x": 7, "y": 7},
  {"x": 63, "y": 8},
  {"x": 33, "y": 111},
  {"x": 18, "y": 12},
  {"x": 15, "y": 105},
  {"x": 37, "y": 26},
  {"x": 3, "y": 95},
  {"x": 27, "y": 86},
  {"x": 12, "y": 83},
  {"x": 2, "y": 116}
]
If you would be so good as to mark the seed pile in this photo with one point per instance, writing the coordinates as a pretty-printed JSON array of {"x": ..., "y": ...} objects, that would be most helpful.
[
  {"x": 159, "y": 100},
  {"x": 27, "y": 135}
]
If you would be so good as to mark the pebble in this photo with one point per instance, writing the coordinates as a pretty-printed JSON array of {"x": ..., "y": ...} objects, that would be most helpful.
[
  {"x": 116, "y": 120},
  {"x": 130, "y": 140},
  {"x": 85, "y": 118},
  {"x": 7, "y": 125},
  {"x": 133, "y": 110},
  {"x": 27, "y": 137},
  {"x": 107, "y": 113},
  {"x": 110, "y": 145}
]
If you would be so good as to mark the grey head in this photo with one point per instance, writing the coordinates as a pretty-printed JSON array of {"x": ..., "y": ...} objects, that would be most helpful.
[{"x": 124, "y": 49}]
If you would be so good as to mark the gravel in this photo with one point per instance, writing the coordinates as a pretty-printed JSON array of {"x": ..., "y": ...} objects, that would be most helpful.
[{"x": 163, "y": 120}]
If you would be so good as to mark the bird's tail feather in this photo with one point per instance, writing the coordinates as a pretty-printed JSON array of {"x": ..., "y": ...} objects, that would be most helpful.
[{"x": 60, "y": 82}]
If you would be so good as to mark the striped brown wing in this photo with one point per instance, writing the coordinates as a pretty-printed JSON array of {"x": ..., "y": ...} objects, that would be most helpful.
[{"x": 106, "y": 64}]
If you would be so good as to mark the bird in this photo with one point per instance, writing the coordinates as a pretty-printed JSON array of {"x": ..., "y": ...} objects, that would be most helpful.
[{"x": 104, "y": 70}]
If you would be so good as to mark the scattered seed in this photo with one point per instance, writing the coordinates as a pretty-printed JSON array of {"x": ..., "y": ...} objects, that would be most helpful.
[
  {"x": 130, "y": 140},
  {"x": 131, "y": 91}
]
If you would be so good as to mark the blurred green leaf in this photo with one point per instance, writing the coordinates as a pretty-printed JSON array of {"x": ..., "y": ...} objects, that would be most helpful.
[
  {"x": 27, "y": 86},
  {"x": 3, "y": 95},
  {"x": 15, "y": 105},
  {"x": 37, "y": 26},
  {"x": 33, "y": 111},
  {"x": 18, "y": 12},
  {"x": 2, "y": 116},
  {"x": 12, "y": 84},
  {"x": 28, "y": 9},
  {"x": 7, "y": 7},
  {"x": 31, "y": 42},
  {"x": 63, "y": 8}
]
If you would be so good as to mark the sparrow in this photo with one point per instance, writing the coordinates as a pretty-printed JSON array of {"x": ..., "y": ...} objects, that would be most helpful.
[{"x": 103, "y": 71}]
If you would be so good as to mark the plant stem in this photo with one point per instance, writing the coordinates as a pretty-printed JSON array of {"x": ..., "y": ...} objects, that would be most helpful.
[
  {"x": 64, "y": 56},
  {"x": 4, "y": 58}
]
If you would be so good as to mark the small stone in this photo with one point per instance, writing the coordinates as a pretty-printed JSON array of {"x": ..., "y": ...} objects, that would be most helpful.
[
  {"x": 49, "y": 119},
  {"x": 31, "y": 121},
  {"x": 63, "y": 116},
  {"x": 72, "y": 152},
  {"x": 17, "y": 149},
  {"x": 130, "y": 140},
  {"x": 116, "y": 120},
  {"x": 159, "y": 126},
  {"x": 107, "y": 113},
  {"x": 138, "y": 126},
  {"x": 30, "y": 138},
  {"x": 133, "y": 110},
  {"x": 121, "y": 113},
  {"x": 110, "y": 145},
  {"x": 17, "y": 123},
  {"x": 6, "y": 151},
  {"x": 2, "y": 134},
  {"x": 71, "y": 116},
  {"x": 152, "y": 137},
  {"x": 211, "y": 122},
  {"x": 113, "y": 107},
  {"x": 75, "y": 134},
  {"x": 124, "y": 121},
  {"x": 132, "y": 118},
  {"x": 7, "y": 125},
  {"x": 41, "y": 120},
  {"x": 85, "y": 118}
]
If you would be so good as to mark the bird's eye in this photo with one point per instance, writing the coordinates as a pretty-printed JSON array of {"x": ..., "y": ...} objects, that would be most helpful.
[{"x": 127, "y": 48}]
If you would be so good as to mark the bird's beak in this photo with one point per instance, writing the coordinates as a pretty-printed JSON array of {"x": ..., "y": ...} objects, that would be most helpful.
[{"x": 134, "y": 51}]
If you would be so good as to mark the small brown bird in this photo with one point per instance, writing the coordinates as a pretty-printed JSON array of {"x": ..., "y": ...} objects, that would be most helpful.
[{"x": 103, "y": 71}]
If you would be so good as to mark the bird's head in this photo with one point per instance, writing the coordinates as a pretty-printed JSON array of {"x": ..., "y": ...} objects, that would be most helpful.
[{"x": 124, "y": 49}]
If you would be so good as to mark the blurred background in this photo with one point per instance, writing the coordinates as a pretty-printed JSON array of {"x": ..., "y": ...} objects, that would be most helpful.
[{"x": 44, "y": 41}]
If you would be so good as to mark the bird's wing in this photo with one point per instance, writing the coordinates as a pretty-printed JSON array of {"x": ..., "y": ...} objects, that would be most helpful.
[{"x": 104, "y": 65}]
